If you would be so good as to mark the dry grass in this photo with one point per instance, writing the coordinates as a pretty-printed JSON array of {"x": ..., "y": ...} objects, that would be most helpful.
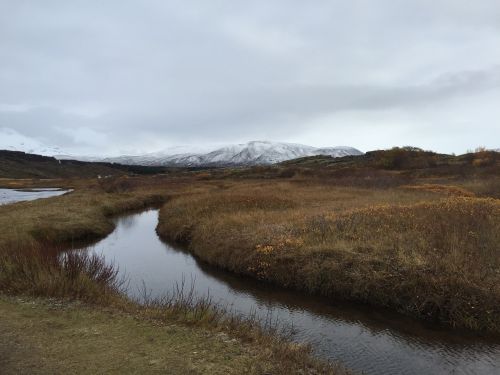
[
  {"x": 430, "y": 251},
  {"x": 450, "y": 190},
  {"x": 31, "y": 265},
  {"x": 82, "y": 215},
  {"x": 41, "y": 272},
  {"x": 80, "y": 277},
  {"x": 485, "y": 187},
  {"x": 278, "y": 353},
  {"x": 419, "y": 251},
  {"x": 74, "y": 338}
]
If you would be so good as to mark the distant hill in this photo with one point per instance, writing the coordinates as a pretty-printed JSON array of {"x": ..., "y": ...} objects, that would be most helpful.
[
  {"x": 246, "y": 154},
  {"x": 404, "y": 161},
  {"x": 409, "y": 159},
  {"x": 17, "y": 164}
]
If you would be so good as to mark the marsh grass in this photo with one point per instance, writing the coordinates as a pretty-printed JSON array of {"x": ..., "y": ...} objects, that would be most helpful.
[
  {"x": 80, "y": 276},
  {"x": 431, "y": 251},
  {"x": 270, "y": 334},
  {"x": 488, "y": 188},
  {"x": 449, "y": 190},
  {"x": 34, "y": 262},
  {"x": 41, "y": 271},
  {"x": 82, "y": 215},
  {"x": 184, "y": 304}
]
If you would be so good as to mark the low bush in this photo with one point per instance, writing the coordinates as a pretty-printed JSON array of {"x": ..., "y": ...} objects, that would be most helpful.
[{"x": 41, "y": 272}]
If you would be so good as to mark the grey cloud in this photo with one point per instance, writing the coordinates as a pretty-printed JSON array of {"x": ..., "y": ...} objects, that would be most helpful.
[{"x": 127, "y": 72}]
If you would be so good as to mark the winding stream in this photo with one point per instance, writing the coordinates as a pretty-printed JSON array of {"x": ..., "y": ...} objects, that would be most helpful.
[{"x": 372, "y": 341}]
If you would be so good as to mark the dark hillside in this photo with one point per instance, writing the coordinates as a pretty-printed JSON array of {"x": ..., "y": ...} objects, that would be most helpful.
[
  {"x": 16, "y": 164},
  {"x": 409, "y": 161}
]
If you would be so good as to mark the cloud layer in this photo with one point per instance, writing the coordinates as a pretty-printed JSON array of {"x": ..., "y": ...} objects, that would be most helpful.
[{"x": 128, "y": 76}]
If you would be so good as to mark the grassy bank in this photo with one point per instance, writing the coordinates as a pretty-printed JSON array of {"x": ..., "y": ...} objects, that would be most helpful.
[
  {"x": 428, "y": 250},
  {"x": 49, "y": 337},
  {"x": 43, "y": 336},
  {"x": 84, "y": 214},
  {"x": 178, "y": 335}
]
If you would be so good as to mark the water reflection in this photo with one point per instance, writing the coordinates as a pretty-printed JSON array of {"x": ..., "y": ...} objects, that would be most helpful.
[{"x": 374, "y": 341}]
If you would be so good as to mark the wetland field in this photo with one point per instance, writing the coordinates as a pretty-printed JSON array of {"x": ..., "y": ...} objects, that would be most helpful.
[{"x": 381, "y": 264}]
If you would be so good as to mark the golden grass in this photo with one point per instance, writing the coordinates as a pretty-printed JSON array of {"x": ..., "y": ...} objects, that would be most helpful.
[
  {"x": 55, "y": 337},
  {"x": 444, "y": 189},
  {"x": 431, "y": 251},
  {"x": 414, "y": 250},
  {"x": 31, "y": 233},
  {"x": 40, "y": 272},
  {"x": 84, "y": 214}
]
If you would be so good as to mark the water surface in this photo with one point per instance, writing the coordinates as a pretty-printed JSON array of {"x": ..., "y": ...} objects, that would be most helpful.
[
  {"x": 14, "y": 195},
  {"x": 368, "y": 340}
]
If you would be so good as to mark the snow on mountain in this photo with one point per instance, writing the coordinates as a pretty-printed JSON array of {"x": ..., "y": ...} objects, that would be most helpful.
[
  {"x": 79, "y": 157},
  {"x": 251, "y": 153},
  {"x": 338, "y": 151},
  {"x": 11, "y": 140},
  {"x": 246, "y": 154}
]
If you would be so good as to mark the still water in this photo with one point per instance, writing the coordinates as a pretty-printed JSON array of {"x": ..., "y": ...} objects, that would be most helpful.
[
  {"x": 11, "y": 195},
  {"x": 367, "y": 340}
]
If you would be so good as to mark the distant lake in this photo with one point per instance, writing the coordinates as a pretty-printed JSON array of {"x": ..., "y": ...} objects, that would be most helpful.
[{"x": 12, "y": 195}]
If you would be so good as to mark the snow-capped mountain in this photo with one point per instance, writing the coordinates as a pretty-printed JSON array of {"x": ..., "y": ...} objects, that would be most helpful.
[
  {"x": 251, "y": 153},
  {"x": 13, "y": 141}
]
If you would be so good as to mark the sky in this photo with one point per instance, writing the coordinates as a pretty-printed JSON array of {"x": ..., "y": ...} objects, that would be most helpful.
[{"x": 123, "y": 77}]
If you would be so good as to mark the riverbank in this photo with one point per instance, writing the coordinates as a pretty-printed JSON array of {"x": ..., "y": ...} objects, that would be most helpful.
[
  {"x": 29, "y": 234},
  {"x": 47, "y": 336},
  {"x": 426, "y": 250},
  {"x": 50, "y": 336},
  {"x": 367, "y": 244}
]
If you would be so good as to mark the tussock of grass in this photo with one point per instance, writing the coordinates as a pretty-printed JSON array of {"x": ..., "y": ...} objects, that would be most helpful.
[
  {"x": 40, "y": 272},
  {"x": 431, "y": 257}
]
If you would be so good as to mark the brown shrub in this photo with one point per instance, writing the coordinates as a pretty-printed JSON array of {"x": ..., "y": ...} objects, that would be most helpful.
[
  {"x": 41, "y": 272},
  {"x": 436, "y": 260},
  {"x": 444, "y": 189}
]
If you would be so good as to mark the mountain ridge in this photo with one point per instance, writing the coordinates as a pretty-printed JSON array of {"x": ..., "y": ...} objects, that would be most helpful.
[{"x": 243, "y": 154}]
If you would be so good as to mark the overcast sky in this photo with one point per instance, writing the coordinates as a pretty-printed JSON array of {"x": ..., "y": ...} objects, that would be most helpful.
[{"x": 111, "y": 77}]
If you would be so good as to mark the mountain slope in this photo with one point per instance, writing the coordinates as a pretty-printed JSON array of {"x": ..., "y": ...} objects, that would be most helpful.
[
  {"x": 10, "y": 140},
  {"x": 17, "y": 164},
  {"x": 248, "y": 154}
]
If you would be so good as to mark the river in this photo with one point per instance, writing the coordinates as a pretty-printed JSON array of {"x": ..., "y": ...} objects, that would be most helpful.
[{"x": 368, "y": 340}]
